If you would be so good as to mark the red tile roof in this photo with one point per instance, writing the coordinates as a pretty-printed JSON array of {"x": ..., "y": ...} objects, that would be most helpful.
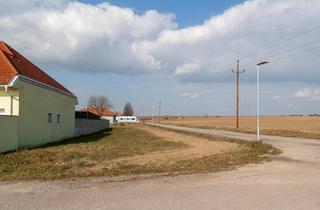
[
  {"x": 105, "y": 112},
  {"x": 13, "y": 63}
]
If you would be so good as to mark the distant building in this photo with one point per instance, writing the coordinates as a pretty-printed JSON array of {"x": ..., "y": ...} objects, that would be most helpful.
[
  {"x": 34, "y": 108},
  {"x": 105, "y": 114},
  {"x": 127, "y": 119}
]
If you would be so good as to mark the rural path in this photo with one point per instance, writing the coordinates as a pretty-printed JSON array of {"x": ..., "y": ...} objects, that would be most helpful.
[{"x": 290, "y": 181}]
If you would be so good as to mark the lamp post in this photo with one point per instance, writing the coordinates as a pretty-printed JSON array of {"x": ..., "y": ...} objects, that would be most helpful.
[{"x": 258, "y": 97}]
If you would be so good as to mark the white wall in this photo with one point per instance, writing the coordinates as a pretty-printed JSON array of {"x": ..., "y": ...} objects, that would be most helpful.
[
  {"x": 110, "y": 118},
  {"x": 9, "y": 101},
  {"x": 8, "y": 133},
  {"x": 86, "y": 126}
]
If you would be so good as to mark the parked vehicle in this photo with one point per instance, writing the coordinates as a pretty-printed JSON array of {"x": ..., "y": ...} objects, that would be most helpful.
[{"x": 127, "y": 119}]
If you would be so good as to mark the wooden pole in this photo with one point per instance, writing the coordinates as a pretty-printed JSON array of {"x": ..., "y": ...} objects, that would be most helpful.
[{"x": 238, "y": 93}]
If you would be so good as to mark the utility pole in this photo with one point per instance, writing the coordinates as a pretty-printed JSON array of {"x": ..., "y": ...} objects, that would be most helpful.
[
  {"x": 152, "y": 115},
  {"x": 142, "y": 113},
  {"x": 238, "y": 72},
  {"x": 160, "y": 111}
]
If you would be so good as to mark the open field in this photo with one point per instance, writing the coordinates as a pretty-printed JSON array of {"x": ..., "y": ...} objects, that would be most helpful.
[
  {"x": 132, "y": 151},
  {"x": 290, "y": 126}
]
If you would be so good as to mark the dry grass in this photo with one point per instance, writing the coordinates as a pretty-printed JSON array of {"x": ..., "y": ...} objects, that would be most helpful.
[
  {"x": 198, "y": 147},
  {"x": 295, "y": 126},
  {"x": 80, "y": 156},
  {"x": 131, "y": 151}
]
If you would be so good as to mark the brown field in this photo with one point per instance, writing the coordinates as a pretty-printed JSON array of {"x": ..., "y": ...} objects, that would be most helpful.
[{"x": 295, "y": 126}]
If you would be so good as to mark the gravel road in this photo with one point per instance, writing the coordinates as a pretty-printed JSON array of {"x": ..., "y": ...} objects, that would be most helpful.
[{"x": 290, "y": 181}]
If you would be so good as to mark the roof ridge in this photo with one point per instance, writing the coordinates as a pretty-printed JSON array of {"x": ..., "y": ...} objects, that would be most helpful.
[
  {"x": 27, "y": 60},
  {"x": 6, "y": 48},
  {"x": 20, "y": 65},
  {"x": 8, "y": 71}
]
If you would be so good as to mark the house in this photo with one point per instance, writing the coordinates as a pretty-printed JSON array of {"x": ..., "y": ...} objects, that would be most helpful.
[
  {"x": 34, "y": 108},
  {"x": 105, "y": 114}
]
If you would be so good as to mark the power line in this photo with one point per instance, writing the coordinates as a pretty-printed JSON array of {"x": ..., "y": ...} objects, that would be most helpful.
[
  {"x": 284, "y": 52},
  {"x": 293, "y": 49},
  {"x": 295, "y": 54},
  {"x": 271, "y": 61},
  {"x": 219, "y": 75},
  {"x": 282, "y": 42},
  {"x": 276, "y": 45}
]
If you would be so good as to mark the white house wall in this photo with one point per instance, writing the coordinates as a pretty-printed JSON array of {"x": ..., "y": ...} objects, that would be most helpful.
[
  {"x": 9, "y": 102},
  {"x": 110, "y": 118}
]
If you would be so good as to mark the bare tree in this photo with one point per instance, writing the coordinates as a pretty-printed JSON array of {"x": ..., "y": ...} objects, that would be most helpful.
[
  {"x": 128, "y": 110},
  {"x": 99, "y": 103}
]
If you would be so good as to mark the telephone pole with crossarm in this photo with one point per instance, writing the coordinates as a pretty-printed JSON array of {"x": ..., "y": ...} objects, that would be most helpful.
[{"x": 238, "y": 72}]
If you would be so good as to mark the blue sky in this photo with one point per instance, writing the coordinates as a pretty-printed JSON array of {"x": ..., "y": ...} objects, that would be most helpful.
[
  {"x": 188, "y": 12},
  {"x": 146, "y": 51}
]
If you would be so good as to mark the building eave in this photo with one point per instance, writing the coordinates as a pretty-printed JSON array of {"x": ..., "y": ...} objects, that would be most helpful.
[{"x": 39, "y": 84}]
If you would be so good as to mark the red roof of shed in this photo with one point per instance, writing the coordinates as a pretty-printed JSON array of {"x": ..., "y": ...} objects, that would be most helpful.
[
  {"x": 105, "y": 112},
  {"x": 13, "y": 63}
]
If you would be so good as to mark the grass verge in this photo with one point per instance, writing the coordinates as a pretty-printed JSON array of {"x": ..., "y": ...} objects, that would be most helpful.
[
  {"x": 254, "y": 152},
  {"x": 87, "y": 156},
  {"x": 76, "y": 157}
]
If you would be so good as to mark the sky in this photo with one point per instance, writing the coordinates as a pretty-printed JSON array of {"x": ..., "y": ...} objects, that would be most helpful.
[{"x": 179, "y": 52}]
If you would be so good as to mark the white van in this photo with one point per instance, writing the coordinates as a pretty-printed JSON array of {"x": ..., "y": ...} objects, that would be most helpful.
[{"x": 127, "y": 119}]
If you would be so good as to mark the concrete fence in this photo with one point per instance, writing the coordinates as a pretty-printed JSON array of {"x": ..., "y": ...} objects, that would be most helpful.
[
  {"x": 8, "y": 133},
  {"x": 11, "y": 138},
  {"x": 87, "y": 126}
]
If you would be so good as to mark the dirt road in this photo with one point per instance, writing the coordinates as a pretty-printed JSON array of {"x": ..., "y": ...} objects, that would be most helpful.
[{"x": 291, "y": 181}]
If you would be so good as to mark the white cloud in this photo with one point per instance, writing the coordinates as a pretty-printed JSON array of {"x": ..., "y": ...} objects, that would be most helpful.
[
  {"x": 308, "y": 93},
  {"x": 18, "y": 6},
  {"x": 85, "y": 38},
  {"x": 276, "y": 97},
  {"x": 246, "y": 28},
  {"x": 189, "y": 68},
  {"x": 105, "y": 38},
  {"x": 291, "y": 105},
  {"x": 190, "y": 95}
]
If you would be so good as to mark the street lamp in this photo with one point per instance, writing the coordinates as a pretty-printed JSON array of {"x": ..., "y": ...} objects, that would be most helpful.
[{"x": 258, "y": 97}]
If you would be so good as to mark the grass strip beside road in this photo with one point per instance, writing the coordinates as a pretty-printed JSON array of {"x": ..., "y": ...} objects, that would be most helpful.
[
  {"x": 248, "y": 152},
  {"x": 253, "y": 152},
  {"x": 92, "y": 156},
  {"x": 75, "y": 157}
]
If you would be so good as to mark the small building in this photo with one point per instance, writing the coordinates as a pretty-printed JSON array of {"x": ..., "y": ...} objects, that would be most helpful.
[
  {"x": 86, "y": 115},
  {"x": 104, "y": 113},
  {"x": 34, "y": 108}
]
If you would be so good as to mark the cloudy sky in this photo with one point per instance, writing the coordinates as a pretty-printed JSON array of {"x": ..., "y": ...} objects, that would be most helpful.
[{"x": 179, "y": 52}]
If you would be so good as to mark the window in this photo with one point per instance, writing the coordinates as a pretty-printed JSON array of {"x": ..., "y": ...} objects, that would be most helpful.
[
  {"x": 2, "y": 110},
  {"x": 49, "y": 117},
  {"x": 58, "y": 118}
]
